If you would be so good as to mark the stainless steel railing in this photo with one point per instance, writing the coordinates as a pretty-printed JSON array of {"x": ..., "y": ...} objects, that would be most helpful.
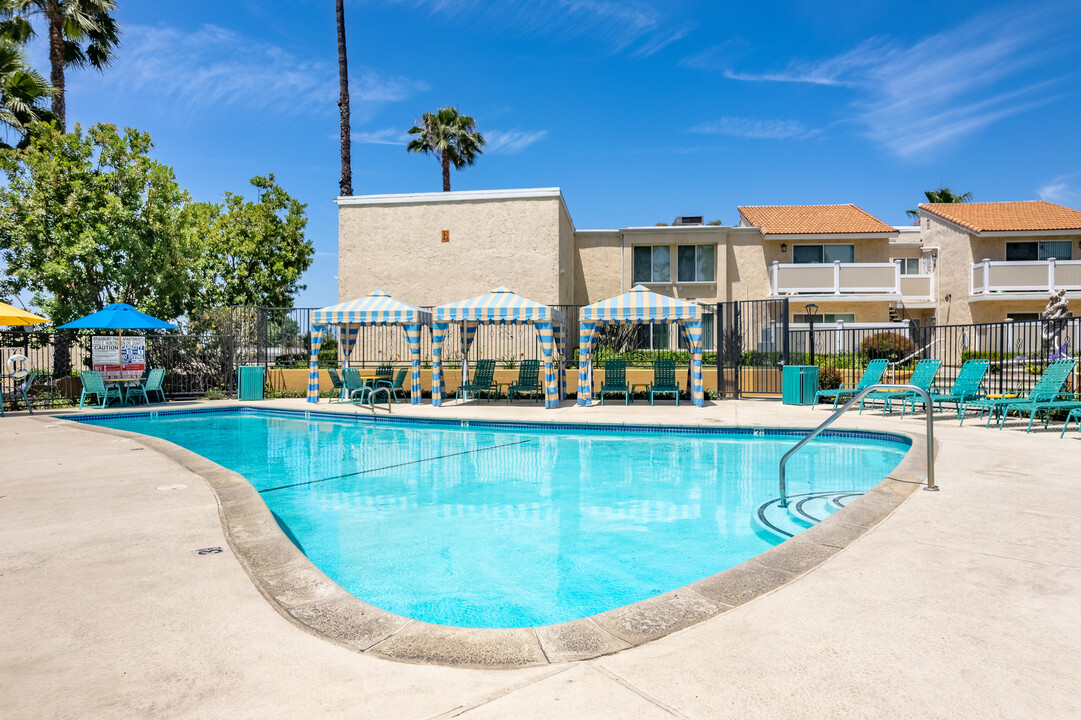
[{"x": 840, "y": 411}]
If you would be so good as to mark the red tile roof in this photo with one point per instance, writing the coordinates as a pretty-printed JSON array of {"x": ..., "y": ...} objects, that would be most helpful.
[
  {"x": 1007, "y": 216},
  {"x": 813, "y": 220}
]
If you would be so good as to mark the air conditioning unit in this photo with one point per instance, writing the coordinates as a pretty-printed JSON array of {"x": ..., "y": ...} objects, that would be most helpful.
[{"x": 688, "y": 220}]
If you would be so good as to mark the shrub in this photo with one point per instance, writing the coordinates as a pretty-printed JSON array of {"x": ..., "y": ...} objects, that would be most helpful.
[
  {"x": 214, "y": 394},
  {"x": 887, "y": 345},
  {"x": 829, "y": 378}
]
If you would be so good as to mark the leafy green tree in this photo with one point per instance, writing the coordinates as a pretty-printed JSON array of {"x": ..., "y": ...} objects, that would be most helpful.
[
  {"x": 248, "y": 252},
  {"x": 450, "y": 136},
  {"x": 942, "y": 195},
  {"x": 22, "y": 92},
  {"x": 82, "y": 33},
  {"x": 90, "y": 219}
]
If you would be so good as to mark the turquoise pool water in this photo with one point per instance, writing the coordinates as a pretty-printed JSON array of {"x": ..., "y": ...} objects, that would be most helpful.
[{"x": 486, "y": 526}]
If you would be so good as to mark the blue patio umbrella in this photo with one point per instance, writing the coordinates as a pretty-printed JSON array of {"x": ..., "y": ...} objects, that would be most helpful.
[{"x": 118, "y": 316}]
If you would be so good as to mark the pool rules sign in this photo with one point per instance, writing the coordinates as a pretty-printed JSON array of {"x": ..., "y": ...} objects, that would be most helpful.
[{"x": 116, "y": 357}]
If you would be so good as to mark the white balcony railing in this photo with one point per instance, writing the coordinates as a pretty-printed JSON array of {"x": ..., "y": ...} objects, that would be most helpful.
[
  {"x": 1032, "y": 276},
  {"x": 849, "y": 279}
]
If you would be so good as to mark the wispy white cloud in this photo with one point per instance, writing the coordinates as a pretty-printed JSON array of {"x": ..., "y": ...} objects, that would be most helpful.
[
  {"x": 216, "y": 66},
  {"x": 614, "y": 25},
  {"x": 718, "y": 57},
  {"x": 756, "y": 129},
  {"x": 914, "y": 99},
  {"x": 385, "y": 136},
  {"x": 512, "y": 142},
  {"x": 1064, "y": 190}
]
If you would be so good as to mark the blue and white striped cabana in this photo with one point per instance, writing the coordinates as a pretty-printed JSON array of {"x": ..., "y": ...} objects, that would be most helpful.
[
  {"x": 375, "y": 309},
  {"x": 501, "y": 307},
  {"x": 639, "y": 307}
]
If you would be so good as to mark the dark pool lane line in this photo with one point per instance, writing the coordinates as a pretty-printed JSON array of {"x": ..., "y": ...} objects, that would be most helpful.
[{"x": 388, "y": 467}]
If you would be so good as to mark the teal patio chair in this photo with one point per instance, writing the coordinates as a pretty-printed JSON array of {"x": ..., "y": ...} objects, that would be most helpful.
[
  {"x": 965, "y": 388},
  {"x": 922, "y": 377},
  {"x": 615, "y": 380},
  {"x": 483, "y": 381},
  {"x": 1047, "y": 401},
  {"x": 94, "y": 385},
  {"x": 21, "y": 391},
  {"x": 872, "y": 375},
  {"x": 1046, "y": 389},
  {"x": 528, "y": 382},
  {"x": 354, "y": 388},
  {"x": 151, "y": 386},
  {"x": 664, "y": 379},
  {"x": 393, "y": 386},
  {"x": 338, "y": 386}
]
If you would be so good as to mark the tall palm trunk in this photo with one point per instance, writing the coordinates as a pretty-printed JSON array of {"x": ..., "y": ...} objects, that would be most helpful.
[
  {"x": 446, "y": 172},
  {"x": 345, "y": 187},
  {"x": 56, "y": 60}
]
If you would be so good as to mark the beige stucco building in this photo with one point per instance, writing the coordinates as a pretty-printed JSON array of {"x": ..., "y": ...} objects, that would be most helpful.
[{"x": 433, "y": 248}]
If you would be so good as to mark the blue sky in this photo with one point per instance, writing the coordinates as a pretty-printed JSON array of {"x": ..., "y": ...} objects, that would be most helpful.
[{"x": 640, "y": 111}]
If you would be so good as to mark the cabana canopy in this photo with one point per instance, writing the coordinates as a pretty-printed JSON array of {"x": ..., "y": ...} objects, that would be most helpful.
[
  {"x": 500, "y": 307},
  {"x": 638, "y": 307},
  {"x": 375, "y": 309}
]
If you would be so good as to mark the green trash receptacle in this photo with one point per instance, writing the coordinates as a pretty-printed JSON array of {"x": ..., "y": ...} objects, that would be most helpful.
[
  {"x": 799, "y": 384},
  {"x": 249, "y": 382}
]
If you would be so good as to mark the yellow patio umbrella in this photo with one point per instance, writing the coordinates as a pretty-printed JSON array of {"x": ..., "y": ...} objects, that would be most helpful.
[{"x": 10, "y": 315}]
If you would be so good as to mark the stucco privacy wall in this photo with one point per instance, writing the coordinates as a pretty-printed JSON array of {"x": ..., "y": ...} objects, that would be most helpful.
[
  {"x": 597, "y": 265},
  {"x": 515, "y": 238}
]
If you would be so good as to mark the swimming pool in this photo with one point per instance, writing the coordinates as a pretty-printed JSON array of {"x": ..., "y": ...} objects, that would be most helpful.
[{"x": 497, "y": 525}]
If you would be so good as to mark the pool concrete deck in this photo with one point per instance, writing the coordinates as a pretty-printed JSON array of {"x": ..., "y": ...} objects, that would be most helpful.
[{"x": 961, "y": 603}]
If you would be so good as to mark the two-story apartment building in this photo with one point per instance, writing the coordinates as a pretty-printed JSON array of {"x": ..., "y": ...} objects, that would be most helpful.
[
  {"x": 1002, "y": 260},
  {"x": 968, "y": 262}
]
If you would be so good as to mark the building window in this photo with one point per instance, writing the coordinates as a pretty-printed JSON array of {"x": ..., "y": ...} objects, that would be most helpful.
[
  {"x": 652, "y": 336},
  {"x": 806, "y": 254},
  {"x": 695, "y": 263},
  {"x": 1039, "y": 251},
  {"x": 909, "y": 266},
  {"x": 1023, "y": 317},
  {"x": 826, "y": 318},
  {"x": 652, "y": 264}
]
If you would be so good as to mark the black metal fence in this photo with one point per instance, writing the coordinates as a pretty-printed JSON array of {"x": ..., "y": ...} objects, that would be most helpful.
[{"x": 748, "y": 342}]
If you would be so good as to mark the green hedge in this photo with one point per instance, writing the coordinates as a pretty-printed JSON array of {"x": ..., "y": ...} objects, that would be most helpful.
[{"x": 646, "y": 358}]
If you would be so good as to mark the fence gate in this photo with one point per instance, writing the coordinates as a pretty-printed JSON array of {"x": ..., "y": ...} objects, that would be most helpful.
[{"x": 752, "y": 346}]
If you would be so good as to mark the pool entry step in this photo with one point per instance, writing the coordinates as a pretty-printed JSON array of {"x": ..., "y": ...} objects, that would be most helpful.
[{"x": 802, "y": 512}]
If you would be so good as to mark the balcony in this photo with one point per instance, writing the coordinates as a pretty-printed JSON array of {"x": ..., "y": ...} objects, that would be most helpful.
[
  {"x": 1030, "y": 279},
  {"x": 851, "y": 281}
]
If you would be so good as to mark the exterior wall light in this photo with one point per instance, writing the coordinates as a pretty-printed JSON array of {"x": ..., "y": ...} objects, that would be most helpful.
[{"x": 784, "y": 247}]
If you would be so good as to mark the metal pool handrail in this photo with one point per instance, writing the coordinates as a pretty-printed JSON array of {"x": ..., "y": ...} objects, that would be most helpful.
[{"x": 856, "y": 398}]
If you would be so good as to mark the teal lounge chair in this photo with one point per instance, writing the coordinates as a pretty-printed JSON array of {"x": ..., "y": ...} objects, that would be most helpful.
[
  {"x": 922, "y": 377},
  {"x": 94, "y": 385},
  {"x": 354, "y": 388},
  {"x": 1049, "y": 399},
  {"x": 152, "y": 387},
  {"x": 528, "y": 382},
  {"x": 872, "y": 375},
  {"x": 339, "y": 386},
  {"x": 965, "y": 388},
  {"x": 483, "y": 381},
  {"x": 1047, "y": 388},
  {"x": 615, "y": 380},
  {"x": 664, "y": 379},
  {"x": 392, "y": 388}
]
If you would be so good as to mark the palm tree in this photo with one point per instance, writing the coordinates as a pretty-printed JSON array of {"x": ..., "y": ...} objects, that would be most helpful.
[
  {"x": 22, "y": 91},
  {"x": 451, "y": 137},
  {"x": 942, "y": 195},
  {"x": 345, "y": 187},
  {"x": 82, "y": 33}
]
